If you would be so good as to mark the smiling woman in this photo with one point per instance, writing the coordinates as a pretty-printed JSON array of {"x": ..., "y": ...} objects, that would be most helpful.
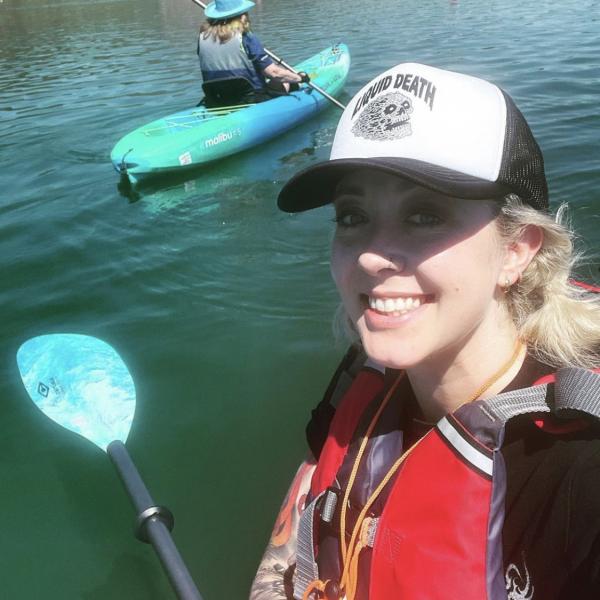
[
  {"x": 394, "y": 260},
  {"x": 462, "y": 459}
]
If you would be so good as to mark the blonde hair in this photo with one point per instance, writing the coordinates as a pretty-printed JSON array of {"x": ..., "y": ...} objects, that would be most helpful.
[
  {"x": 557, "y": 319},
  {"x": 223, "y": 30}
]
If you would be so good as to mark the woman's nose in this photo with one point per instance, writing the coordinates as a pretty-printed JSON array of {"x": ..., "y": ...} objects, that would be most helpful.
[{"x": 374, "y": 262}]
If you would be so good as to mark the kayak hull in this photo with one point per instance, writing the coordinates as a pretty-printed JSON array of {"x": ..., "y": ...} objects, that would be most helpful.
[{"x": 198, "y": 135}]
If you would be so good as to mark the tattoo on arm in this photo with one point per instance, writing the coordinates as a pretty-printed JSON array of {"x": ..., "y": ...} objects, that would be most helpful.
[{"x": 280, "y": 555}]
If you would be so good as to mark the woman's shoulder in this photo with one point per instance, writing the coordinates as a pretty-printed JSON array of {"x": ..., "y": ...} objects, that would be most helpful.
[
  {"x": 552, "y": 506},
  {"x": 553, "y": 468},
  {"x": 574, "y": 442},
  {"x": 551, "y": 531},
  {"x": 254, "y": 47},
  {"x": 251, "y": 38}
]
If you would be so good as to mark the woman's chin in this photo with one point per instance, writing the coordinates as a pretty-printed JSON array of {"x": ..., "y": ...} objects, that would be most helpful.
[{"x": 391, "y": 357}]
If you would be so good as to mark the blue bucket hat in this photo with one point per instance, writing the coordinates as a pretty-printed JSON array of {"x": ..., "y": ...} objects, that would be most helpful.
[{"x": 225, "y": 9}]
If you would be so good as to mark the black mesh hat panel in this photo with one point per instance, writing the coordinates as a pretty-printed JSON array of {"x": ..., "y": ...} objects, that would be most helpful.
[{"x": 522, "y": 167}]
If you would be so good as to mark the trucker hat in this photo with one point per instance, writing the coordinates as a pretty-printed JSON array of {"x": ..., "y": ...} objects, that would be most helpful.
[{"x": 452, "y": 133}]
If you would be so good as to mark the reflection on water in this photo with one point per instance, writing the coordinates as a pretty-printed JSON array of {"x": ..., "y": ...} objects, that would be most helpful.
[{"x": 230, "y": 179}]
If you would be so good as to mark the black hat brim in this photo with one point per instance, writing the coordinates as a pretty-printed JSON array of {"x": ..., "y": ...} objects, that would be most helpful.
[{"x": 315, "y": 186}]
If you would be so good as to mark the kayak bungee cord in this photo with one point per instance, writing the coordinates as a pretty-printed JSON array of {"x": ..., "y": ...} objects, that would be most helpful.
[{"x": 196, "y": 118}]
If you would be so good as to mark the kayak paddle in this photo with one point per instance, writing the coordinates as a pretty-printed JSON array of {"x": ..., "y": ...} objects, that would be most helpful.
[
  {"x": 81, "y": 383},
  {"x": 278, "y": 60}
]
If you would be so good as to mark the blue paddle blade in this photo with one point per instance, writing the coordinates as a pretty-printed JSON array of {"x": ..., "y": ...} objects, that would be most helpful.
[{"x": 81, "y": 383}]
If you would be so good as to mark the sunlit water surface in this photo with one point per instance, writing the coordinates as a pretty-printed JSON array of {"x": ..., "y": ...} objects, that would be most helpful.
[{"x": 219, "y": 304}]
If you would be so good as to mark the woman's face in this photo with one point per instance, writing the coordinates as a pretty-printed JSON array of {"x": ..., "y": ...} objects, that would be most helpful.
[{"x": 418, "y": 271}]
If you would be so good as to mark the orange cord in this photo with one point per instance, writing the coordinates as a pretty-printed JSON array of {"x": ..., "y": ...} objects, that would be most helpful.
[
  {"x": 498, "y": 374},
  {"x": 349, "y": 578},
  {"x": 317, "y": 585},
  {"x": 354, "y": 471}
]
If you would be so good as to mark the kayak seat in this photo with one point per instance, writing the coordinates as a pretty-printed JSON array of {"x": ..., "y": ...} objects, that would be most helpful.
[{"x": 228, "y": 91}]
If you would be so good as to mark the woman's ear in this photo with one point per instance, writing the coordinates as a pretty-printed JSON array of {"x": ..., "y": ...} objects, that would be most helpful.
[{"x": 520, "y": 253}]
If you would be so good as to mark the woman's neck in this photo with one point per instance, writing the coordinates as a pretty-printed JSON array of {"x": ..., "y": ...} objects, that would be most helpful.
[{"x": 457, "y": 376}]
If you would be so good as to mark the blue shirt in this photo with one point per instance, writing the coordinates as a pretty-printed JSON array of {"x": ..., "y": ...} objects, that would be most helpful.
[{"x": 256, "y": 53}]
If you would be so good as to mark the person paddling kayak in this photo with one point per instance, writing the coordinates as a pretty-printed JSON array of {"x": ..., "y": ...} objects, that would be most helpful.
[
  {"x": 456, "y": 453},
  {"x": 233, "y": 60}
]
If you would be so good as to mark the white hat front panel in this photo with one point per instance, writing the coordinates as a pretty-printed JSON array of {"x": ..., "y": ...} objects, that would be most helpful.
[{"x": 420, "y": 112}]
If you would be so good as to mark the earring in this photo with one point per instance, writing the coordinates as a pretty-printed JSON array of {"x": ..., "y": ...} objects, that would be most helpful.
[{"x": 507, "y": 285}]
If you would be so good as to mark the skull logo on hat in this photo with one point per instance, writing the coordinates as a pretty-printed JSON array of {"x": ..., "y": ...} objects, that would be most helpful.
[{"x": 386, "y": 118}]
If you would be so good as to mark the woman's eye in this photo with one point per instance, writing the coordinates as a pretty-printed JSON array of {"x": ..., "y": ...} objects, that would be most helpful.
[
  {"x": 424, "y": 219},
  {"x": 349, "y": 219}
]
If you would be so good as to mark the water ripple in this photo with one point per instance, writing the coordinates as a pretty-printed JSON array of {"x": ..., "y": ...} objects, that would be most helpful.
[{"x": 218, "y": 300}]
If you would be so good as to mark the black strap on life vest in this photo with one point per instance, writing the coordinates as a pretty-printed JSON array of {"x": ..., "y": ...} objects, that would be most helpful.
[{"x": 321, "y": 416}]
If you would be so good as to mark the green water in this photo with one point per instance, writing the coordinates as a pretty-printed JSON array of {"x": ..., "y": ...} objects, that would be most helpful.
[{"x": 219, "y": 304}]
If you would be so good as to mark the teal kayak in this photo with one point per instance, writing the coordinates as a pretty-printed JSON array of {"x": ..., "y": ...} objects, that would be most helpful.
[{"x": 200, "y": 135}]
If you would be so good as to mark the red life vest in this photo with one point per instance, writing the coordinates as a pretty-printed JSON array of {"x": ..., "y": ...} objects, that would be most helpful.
[{"x": 438, "y": 535}]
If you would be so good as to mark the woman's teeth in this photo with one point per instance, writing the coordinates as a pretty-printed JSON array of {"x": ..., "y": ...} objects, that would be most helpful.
[{"x": 394, "y": 306}]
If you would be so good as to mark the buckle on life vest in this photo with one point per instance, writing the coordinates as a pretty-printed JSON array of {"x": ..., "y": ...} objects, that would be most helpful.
[
  {"x": 329, "y": 506},
  {"x": 328, "y": 503},
  {"x": 372, "y": 531}
]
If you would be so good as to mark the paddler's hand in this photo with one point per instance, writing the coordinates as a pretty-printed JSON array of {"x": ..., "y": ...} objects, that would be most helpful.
[{"x": 304, "y": 78}]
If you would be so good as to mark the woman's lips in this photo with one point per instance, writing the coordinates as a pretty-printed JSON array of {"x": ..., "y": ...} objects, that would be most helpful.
[{"x": 385, "y": 311}]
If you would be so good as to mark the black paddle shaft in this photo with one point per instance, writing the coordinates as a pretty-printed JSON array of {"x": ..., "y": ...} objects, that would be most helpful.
[{"x": 153, "y": 523}]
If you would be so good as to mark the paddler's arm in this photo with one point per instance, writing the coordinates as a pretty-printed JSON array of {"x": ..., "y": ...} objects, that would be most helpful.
[
  {"x": 274, "y": 71},
  {"x": 263, "y": 62},
  {"x": 271, "y": 580}
]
